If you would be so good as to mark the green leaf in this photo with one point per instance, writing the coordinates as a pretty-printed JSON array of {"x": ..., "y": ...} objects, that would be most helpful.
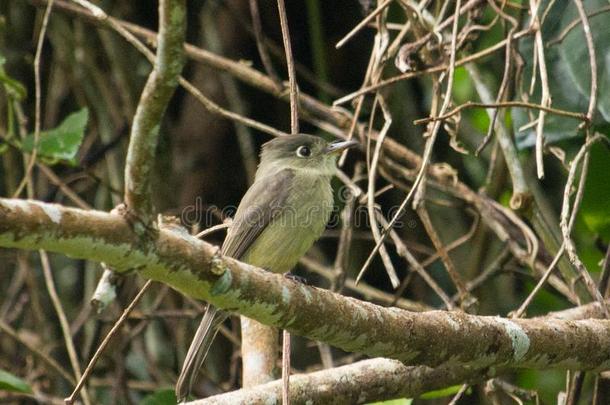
[
  {"x": 12, "y": 383},
  {"x": 60, "y": 143},
  {"x": 569, "y": 72},
  {"x": 160, "y": 397},
  {"x": 463, "y": 88},
  {"x": 443, "y": 392},
  {"x": 595, "y": 208},
  {"x": 400, "y": 401},
  {"x": 575, "y": 54},
  {"x": 13, "y": 87}
]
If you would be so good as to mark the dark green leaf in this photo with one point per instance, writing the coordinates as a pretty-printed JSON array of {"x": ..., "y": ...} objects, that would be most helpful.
[
  {"x": 12, "y": 383},
  {"x": 569, "y": 72},
  {"x": 60, "y": 143},
  {"x": 400, "y": 401},
  {"x": 13, "y": 87},
  {"x": 160, "y": 397},
  {"x": 595, "y": 208},
  {"x": 444, "y": 392},
  {"x": 575, "y": 54}
]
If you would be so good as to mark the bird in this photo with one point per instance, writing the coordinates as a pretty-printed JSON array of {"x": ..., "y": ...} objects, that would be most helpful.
[{"x": 280, "y": 216}]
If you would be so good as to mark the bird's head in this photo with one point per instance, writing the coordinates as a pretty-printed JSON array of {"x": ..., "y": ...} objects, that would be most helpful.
[{"x": 301, "y": 152}]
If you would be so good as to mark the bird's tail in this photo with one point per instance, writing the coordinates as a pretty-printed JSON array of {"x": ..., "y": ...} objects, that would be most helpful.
[{"x": 198, "y": 350}]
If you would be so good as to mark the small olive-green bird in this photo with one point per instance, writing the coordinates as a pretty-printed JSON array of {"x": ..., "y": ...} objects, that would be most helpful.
[{"x": 281, "y": 215}]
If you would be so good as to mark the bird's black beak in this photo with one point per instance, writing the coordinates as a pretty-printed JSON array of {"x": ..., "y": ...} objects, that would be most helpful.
[{"x": 340, "y": 146}]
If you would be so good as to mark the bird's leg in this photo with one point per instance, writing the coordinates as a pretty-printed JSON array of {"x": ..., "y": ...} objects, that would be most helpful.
[{"x": 298, "y": 279}]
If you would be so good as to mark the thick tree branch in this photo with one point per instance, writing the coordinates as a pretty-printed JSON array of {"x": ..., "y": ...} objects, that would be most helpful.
[
  {"x": 159, "y": 88},
  {"x": 375, "y": 379},
  {"x": 365, "y": 381},
  {"x": 195, "y": 268}
]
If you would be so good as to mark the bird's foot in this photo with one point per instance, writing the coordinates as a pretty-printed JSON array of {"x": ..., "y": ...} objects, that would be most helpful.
[{"x": 298, "y": 279}]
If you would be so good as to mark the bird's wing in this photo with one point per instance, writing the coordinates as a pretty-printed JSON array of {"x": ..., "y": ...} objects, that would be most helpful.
[{"x": 263, "y": 202}]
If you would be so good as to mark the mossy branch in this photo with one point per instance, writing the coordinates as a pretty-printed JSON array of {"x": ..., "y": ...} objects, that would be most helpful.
[
  {"x": 159, "y": 88},
  {"x": 194, "y": 267}
]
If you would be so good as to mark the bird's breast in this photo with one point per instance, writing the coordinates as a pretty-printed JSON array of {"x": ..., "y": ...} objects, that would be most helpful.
[{"x": 293, "y": 231}]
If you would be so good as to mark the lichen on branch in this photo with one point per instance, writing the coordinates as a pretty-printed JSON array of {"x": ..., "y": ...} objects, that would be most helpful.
[{"x": 194, "y": 267}]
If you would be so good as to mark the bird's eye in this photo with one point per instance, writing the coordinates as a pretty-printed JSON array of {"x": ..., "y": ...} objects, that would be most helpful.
[{"x": 303, "y": 151}]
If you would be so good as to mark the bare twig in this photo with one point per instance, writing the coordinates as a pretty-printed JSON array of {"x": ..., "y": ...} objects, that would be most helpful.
[
  {"x": 546, "y": 92},
  {"x": 592, "y": 58},
  {"x": 371, "y": 200},
  {"x": 6, "y": 328},
  {"x": 504, "y": 104},
  {"x": 37, "y": 99},
  {"x": 559, "y": 38},
  {"x": 231, "y": 90},
  {"x": 212, "y": 229},
  {"x": 294, "y": 129},
  {"x": 521, "y": 193},
  {"x": 429, "y": 144},
  {"x": 528, "y": 300},
  {"x": 257, "y": 27},
  {"x": 466, "y": 300},
  {"x": 362, "y": 24},
  {"x": 292, "y": 77},
  {"x": 63, "y": 321},
  {"x": 435, "y": 69},
  {"x": 102, "y": 346},
  {"x": 239, "y": 70},
  {"x": 565, "y": 212}
]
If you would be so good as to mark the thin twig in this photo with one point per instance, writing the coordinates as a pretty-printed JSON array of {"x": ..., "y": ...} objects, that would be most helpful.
[
  {"x": 528, "y": 300},
  {"x": 435, "y": 69},
  {"x": 573, "y": 25},
  {"x": 592, "y": 58},
  {"x": 521, "y": 191},
  {"x": 504, "y": 104},
  {"x": 365, "y": 290},
  {"x": 362, "y": 24},
  {"x": 232, "y": 92},
  {"x": 257, "y": 28},
  {"x": 502, "y": 89},
  {"x": 294, "y": 129},
  {"x": 63, "y": 321},
  {"x": 6, "y": 328},
  {"x": 212, "y": 229},
  {"x": 544, "y": 83},
  {"x": 292, "y": 76},
  {"x": 565, "y": 212},
  {"x": 43, "y": 29},
  {"x": 466, "y": 300},
  {"x": 605, "y": 274},
  {"x": 459, "y": 394},
  {"x": 70, "y": 400},
  {"x": 429, "y": 144},
  {"x": 63, "y": 187},
  {"x": 371, "y": 200},
  {"x": 124, "y": 29}
]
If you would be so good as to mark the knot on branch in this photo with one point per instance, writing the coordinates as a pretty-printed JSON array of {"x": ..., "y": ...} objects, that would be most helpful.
[
  {"x": 217, "y": 266},
  {"x": 147, "y": 231}
]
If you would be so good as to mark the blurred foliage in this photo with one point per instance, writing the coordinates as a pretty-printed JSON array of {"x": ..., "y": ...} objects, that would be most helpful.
[
  {"x": 12, "y": 383},
  {"x": 61, "y": 143},
  {"x": 91, "y": 82}
]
